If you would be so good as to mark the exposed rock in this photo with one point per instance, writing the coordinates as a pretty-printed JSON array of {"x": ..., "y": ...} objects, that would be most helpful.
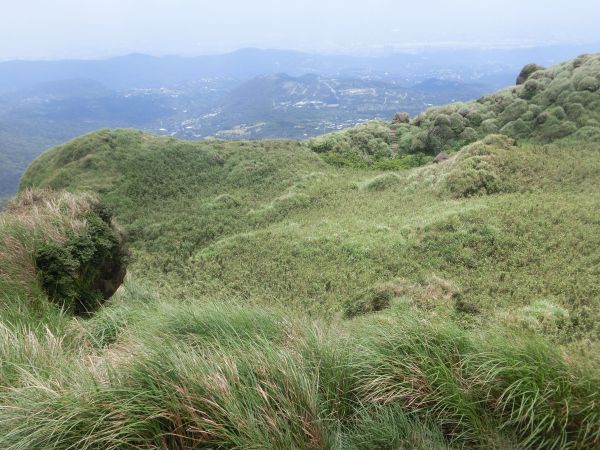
[
  {"x": 441, "y": 157},
  {"x": 401, "y": 117}
]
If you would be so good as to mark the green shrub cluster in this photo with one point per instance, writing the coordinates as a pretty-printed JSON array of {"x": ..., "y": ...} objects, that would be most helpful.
[
  {"x": 546, "y": 105},
  {"x": 369, "y": 142}
]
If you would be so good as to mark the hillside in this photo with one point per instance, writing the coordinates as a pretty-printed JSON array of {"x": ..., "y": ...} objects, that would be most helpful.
[
  {"x": 548, "y": 104},
  {"x": 39, "y": 117},
  {"x": 300, "y": 107},
  {"x": 248, "y": 94},
  {"x": 274, "y": 300}
]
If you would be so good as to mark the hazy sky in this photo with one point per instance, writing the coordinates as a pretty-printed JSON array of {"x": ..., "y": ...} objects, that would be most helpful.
[{"x": 99, "y": 28}]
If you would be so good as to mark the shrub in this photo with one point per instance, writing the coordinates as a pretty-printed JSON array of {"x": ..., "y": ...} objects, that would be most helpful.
[
  {"x": 468, "y": 135},
  {"x": 530, "y": 88},
  {"x": 557, "y": 112},
  {"x": 457, "y": 123},
  {"x": 588, "y": 134},
  {"x": 527, "y": 71},
  {"x": 514, "y": 111},
  {"x": 281, "y": 206},
  {"x": 322, "y": 144},
  {"x": 472, "y": 115},
  {"x": 554, "y": 129},
  {"x": 420, "y": 142},
  {"x": 475, "y": 170},
  {"x": 556, "y": 89},
  {"x": 438, "y": 137},
  {"x": 590, "y": 84},
  {"x": 475, "y": 177},
  {"x": 542, "y": 118},
  {"x": 516, "y": 129},
  {"x": 489, "y": 126},
  {"x": 574, "y": 110},
  {"x": 68, "y": 245},
  {"x": 443, "y": 120},
  {"x": 380, "y": 182},
  {"x": 581, "y": 60},
  {"x": 368, "y": 142}
]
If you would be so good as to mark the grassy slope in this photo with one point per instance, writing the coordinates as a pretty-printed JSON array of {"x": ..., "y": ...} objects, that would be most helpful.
[
  {"x": 500, "y": 238},
  {"x": 278, "y": 225},
  {"x": 255, "y": 254}
]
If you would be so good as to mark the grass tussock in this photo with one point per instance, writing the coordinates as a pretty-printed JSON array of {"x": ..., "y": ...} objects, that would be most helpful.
[
  {"x": 232, "y": 377},
  {"x": 34, "y": 218}
]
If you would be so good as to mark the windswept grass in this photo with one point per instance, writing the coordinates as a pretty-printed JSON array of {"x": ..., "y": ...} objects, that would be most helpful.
[{"x": 219, "y": 376}]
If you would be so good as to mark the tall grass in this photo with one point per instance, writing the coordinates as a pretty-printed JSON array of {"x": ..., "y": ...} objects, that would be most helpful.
[
  {"x": 33, "y": 219},
  {"x": 219, "y": 376}
]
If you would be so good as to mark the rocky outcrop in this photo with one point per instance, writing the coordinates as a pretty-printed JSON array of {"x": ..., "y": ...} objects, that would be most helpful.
[
  {"x": 401, "y": 117},
  {"x": 441, "y": 157}
]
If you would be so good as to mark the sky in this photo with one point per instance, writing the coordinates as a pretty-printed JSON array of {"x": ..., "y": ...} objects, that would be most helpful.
[{"x": 53, "y": 29}]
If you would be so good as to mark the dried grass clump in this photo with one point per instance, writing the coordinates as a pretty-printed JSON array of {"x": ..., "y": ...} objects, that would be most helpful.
[{"x": 51, "y": 213}]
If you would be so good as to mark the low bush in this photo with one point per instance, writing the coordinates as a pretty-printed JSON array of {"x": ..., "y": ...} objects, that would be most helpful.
[
  {"x": 63, "y": 245},
  {"x": 476, "y": 169},
  {"x": 590, "y": 84},
  {"x": 527, "y": 71},
  {"x": 380, "y": 182}
]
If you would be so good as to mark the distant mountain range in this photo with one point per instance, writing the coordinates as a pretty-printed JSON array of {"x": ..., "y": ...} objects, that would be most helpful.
[
  {"x": 249, "y": 93},
  {"x": 137, "y": 71}
]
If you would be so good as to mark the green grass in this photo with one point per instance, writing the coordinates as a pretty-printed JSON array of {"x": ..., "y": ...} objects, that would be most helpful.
[
  {"x": 476, "y": 309},
  {"x": 278, "y": 301},
  {"x": 291, "y": 230},
  {"x": 217, "y": 376}
]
